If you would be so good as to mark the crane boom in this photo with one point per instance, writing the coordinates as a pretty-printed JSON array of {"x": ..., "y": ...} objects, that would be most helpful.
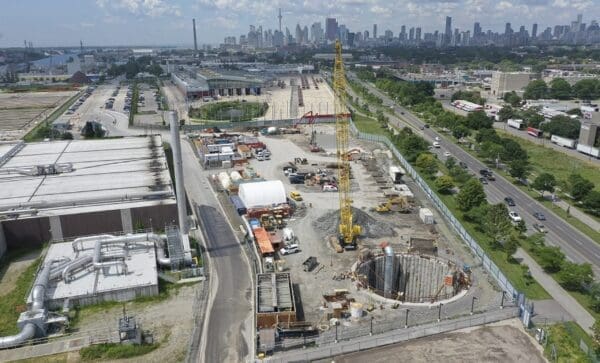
[{"x": 348, "y": 231}]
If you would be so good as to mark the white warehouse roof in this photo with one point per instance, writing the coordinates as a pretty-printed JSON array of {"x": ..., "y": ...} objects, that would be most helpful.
[{"x": 262, "y": 194}]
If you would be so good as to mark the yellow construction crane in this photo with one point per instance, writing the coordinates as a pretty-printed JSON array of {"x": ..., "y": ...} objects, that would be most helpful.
[{"x": 348, "y": 230}]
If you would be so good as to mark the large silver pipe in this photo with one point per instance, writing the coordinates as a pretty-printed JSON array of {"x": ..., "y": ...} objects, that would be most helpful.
[
  {"x": 81, "y": 201},
  {"x": 388, "y": 272},
  {"x": 78, "y": 242},
  {"x": 80, "y": 262},
  {"x": 178, "y": 164},
  {"x": 24, "y": 335},
  {"x": 99, "y": 263}
]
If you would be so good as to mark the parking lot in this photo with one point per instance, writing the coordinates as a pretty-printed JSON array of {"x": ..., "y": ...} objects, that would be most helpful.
[{"x": 149, "y": 108}]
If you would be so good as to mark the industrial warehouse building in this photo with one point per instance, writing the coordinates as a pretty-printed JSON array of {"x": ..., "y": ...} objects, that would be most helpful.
[
  {"x": 63, "y": 189},
  {"x": 199, "y": 83},
  {"x": 504, "y": 82}
]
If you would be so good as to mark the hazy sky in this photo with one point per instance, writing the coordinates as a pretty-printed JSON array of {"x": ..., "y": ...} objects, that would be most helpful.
[{"x": 156, "y": 22}]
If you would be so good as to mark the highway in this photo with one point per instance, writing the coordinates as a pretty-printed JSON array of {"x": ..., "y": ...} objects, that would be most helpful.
[
  {"x": 576, "y": 246},
  {"x": 228, "y": 327}
]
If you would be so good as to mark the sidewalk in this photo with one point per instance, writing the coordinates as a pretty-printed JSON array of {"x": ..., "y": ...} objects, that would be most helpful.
[
  {"x": 581, "y": 316},
  {"x": 576, "y": 213}
]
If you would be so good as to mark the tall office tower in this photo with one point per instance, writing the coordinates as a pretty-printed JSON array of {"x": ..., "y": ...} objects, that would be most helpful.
[
  {"x": 579, "y": 21},
  {"x": 507, "y": 29},
  {"x": 366, "y": 35},
  {"x": 534, "y": 31},
  {"x": 375, "y": 31},
  {"x": 317, "y": 33},
  {"x": 448, "y": 31},
  {"x": 411, "y": 34},
  {"x": 331, "y": 28},
  {"x": 279, "y": 17},
  {"x": 305, "y": 34},
  {"x": 389, "y": 34},
  {"x": 456, "y": 37},
  {"x": 299, "y": 34},
  {"x": 418, "y": 35},
  {"x": 476, "y": 30},
  {"x": 402, "y": 34},
  {"x": 343, "y": 34}
]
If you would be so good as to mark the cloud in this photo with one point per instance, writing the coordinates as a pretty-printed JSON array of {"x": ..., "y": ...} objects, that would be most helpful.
[{"x": 151, "y": 8}]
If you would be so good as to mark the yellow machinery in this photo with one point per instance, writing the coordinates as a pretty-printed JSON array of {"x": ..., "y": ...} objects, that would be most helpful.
[
  {"x": 348, "y": 230},
  {"x": 394, "y": 204}
]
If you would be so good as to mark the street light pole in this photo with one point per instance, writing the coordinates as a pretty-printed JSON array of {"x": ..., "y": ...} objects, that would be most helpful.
[
  {"x": 502, "y": 301},
  {"x": 336, "y": 331},
  {"x": 440, "y": 312},
  {"x": 473, "y": 304},
  {"x": 406, "y": 319},
  {"x": 371, "y": 332}
]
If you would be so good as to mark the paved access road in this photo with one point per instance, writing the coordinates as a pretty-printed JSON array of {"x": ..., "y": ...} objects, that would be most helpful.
[
  {"x": 576, "y": 246},
  {"x": 227, "y": 332}
]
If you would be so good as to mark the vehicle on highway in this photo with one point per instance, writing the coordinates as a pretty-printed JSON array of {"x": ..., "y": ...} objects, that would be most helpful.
[
  {"x": 426, "y": 126},
  {"x": 296, "y": 196},
  {"x": 437, "y": 138},
  {"x": 540, "y": 228},
  {"x": 514, "y": 216},
  {"x": 289, "y": 249},
  {"x": 539, "y": 216},
  {"x": 447, "y": 154},
  {"x": 436, "y": 145},
  {"x": 463, "y": 165},
  {"x": 509, "y": 201},
  {"x": 483, "y": 180}
]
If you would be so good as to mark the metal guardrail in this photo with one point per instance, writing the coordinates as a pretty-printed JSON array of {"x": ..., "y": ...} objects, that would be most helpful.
[
  {"x": 358, "y": 339},
  {"x": 487, "y": 263}
]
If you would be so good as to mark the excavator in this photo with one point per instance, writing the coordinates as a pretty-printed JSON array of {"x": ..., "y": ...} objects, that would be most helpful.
[{"x": 394, "y": 204}]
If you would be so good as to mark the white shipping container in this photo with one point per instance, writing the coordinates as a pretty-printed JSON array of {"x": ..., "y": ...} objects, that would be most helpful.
[
  {"x": 426, "y": 215},
  {"x": 563, "y": 141},
  {"x": 515, "y": 123},
  {"x": 588, "y": 150},
  {"x": 224, "y": 180}
]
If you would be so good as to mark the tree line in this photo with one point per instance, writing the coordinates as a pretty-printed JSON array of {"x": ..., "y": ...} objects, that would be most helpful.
[{"x": 559, "y": 88}]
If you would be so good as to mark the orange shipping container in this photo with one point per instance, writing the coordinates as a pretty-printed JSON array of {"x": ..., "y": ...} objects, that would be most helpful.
[{"x": 263, "y": 241}]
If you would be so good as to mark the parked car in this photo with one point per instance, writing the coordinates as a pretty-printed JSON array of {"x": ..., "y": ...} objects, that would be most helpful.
[
  {"x": 483, "y": 180},
  {"x": 296, "y": 196},
  {"x": 540, "y": 228},
  {"x": 514, "y": 216},
  {"x": 289, "y": 249},
  {"x": 330, "y": 188},
  {"x": 539, "y": 216},
  {"x": 509, "y": 201}
]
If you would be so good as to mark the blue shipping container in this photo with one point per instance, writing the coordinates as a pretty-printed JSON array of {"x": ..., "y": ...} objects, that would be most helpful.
[{"x": 238, "y": 204}]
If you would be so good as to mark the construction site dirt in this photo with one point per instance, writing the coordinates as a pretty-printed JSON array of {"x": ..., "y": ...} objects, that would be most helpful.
[
  {"x": 315, "y": 221},
  {"x": 501, "y": 342}
]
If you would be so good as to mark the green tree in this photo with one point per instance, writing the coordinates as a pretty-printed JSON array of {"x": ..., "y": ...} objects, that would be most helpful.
[
  {"x": 505, "y": 113},
  {"x": 591, "y": 202},
  {"x": 427, "y": 163},
  {"x": 596, "y": 336},
  {"x": 562, "y": 126},
  {"x": 535, "y": 90},
  {"x": 155, "y": 69},
  {"x": 450, "y": 162},
  {"x": 512, "y": 98},
  {"x": 595, "y": 295},
  {"x": 478, "y": 120},
  {"x": 573, "y": 276},
  {"x": 560, "y": 89},
  {"x": 496, "y": 223},
  {"x": 519, "y": 169},
  {"x": 460, "y": 131},
  {"x": 510, "y": 247},
  {"x": 587, "y": 89},
  {"x": 521, "y": 227},
  {"x": 545, "y": 182},
  {"x": 489, "y": 135},
  {"x": 444, "y": 184},
  {"x": 551, "y": 258},
  {"x": 476, "y": 215},
  {"x": 579, "y": 187},
  {"x": 471, "y": 195}
]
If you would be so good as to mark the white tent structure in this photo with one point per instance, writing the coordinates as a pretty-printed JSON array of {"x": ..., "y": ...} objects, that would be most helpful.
[{"x": 262, "y": 194}]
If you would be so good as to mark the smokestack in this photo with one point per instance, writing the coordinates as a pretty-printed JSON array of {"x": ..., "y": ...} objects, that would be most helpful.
[
  {"x": 180, "y": 191},
  {"x": 195, "y": 41}
]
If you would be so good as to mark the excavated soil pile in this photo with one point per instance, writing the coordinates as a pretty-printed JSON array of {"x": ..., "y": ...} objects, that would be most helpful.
[{"x": 371, "y": 227}]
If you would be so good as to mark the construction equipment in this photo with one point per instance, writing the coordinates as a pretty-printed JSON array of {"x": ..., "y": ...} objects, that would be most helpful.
[
  {"x": 348, "y": 231},
  {"x": 265, "y": 221}
]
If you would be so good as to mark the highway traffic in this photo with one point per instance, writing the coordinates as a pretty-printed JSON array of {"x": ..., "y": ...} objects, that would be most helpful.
[{"x": 576, "y": 246}]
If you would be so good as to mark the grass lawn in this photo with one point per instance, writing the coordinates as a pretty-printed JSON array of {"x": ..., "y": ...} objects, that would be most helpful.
[
  {"x": 564, "y": 338},
  {"x": 368, "y": 124},
  {"x": 11, "y": 303},
  {"x": 43, "y": 129},
  {"x": 561, "y": 165},
  {"x": 230, "y": 111},
  {"x": 115, "y": 351}
]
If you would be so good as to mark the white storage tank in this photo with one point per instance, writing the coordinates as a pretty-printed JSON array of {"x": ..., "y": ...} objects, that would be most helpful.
[
  {"x": 224, "y": 180},
  {"x": 426, "y": 215},
  {"x": 356, "y": 310}
]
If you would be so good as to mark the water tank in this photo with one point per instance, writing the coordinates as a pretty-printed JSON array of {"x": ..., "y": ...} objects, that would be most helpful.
[
  {"x": 224, "y": 180},
  {"x": 356, "y": 310}
]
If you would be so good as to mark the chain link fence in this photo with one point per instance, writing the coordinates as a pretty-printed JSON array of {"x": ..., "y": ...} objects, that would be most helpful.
[
  {"x": 487, "y": 263},
  {"x": 344, "y": 340}
]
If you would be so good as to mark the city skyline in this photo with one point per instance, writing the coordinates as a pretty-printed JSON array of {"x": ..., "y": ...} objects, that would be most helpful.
[{"x": 123, "y": 22}]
